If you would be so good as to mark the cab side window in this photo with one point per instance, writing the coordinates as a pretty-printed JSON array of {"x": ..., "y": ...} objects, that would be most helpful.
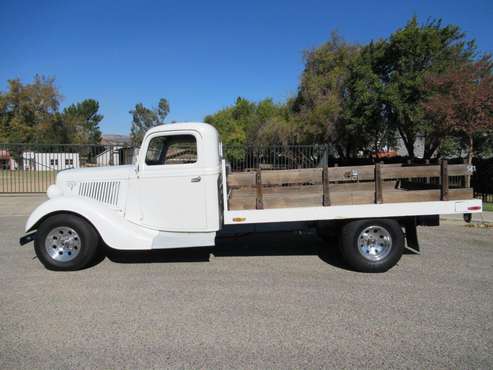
[{"x": 172, "y": 150}]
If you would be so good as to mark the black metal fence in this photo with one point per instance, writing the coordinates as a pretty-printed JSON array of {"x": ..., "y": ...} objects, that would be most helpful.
[
  {"x": 282, "y": 157},
  {"x": 482, "y": 181},
  {"x": 30, "y": 168},
  {"x": 275, "y": 157}
]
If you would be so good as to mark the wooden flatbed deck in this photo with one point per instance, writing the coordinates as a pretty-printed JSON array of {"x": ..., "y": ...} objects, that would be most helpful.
[{"x": 314, "y": 187}]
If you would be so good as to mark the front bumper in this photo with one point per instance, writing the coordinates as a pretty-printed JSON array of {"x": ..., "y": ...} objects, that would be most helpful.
[{"x": 27, "y": 238}]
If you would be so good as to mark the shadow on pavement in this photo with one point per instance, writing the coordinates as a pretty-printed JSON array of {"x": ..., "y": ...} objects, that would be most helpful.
[
  {"x": 159, "y": 256},
  {"x": 246, "y": 245}
]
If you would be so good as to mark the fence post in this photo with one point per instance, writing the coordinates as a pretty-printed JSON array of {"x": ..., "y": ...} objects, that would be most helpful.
[
  {"x": 427, "y": 162},
  {"x": 325, "y": 186},
  {"x": 444, "y": 179},
  {"x": 378, "y": 183}
]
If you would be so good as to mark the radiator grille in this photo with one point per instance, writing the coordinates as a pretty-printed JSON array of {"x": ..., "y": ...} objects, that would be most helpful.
[{"x": 102, "y": 191}]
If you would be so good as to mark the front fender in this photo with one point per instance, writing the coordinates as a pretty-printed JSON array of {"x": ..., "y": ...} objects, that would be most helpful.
[{"x": 110, "y": 224}]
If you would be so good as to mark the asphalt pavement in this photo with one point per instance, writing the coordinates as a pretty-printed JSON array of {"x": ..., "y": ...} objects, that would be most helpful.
[{"x": 257, "y": 301}]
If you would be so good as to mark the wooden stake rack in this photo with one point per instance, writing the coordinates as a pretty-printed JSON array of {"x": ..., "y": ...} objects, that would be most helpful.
[{"x": 329, "y": 186}]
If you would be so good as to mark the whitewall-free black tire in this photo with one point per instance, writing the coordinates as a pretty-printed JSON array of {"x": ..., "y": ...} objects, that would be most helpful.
[
  {"x": 373, "y": 245},
  {"x": 66, "y": 242}
]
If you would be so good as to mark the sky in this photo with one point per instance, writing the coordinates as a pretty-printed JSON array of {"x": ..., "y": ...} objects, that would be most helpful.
[{"x": 200, "y": 55}]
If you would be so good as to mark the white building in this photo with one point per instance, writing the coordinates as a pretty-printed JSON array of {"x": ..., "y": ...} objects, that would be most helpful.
[
  {"x": 50, "y": 161},
  {"x": 117, "y": 155},
  {"x": 110, "y": 157},
  {"x": 419, "y": 146}
]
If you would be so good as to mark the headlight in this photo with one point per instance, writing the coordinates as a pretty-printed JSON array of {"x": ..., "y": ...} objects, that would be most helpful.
[{"x": 54, "y": 191}]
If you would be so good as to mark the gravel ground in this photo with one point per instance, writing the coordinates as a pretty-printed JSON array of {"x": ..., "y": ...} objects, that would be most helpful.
[{"x": 261, "y": 301}]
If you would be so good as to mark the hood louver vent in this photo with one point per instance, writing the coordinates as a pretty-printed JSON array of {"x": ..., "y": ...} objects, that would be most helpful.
[{"x": 102, "y": 191}]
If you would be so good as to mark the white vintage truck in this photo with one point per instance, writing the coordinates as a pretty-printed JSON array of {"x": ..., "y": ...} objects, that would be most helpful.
[{"x": 179, "y": 194}]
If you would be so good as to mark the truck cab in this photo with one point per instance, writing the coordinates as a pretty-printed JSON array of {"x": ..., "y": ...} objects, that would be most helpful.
[{"x": 174, "y": 185}]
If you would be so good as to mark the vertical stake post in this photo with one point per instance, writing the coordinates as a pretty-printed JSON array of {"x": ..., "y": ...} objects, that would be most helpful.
[
  {"x": 444, "y": 179},
  {"x": 325, "y": 186},
  {"x": 427, "y": 162},
  {"x": 378, "y": 183},
  {"x": 259, "y": 196}
]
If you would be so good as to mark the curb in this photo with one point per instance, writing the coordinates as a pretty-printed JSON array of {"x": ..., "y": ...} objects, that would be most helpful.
[{"x": 479, "y": 223}]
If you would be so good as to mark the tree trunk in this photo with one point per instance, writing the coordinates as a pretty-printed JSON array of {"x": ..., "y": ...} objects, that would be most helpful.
[
  {"x": 409, "y": 144},
  {"x": 471, "y": 150},
  {"x": 470, "y": 153},
  {"x": 431, "y": 148},
  {"x": 340, "y": 151}
]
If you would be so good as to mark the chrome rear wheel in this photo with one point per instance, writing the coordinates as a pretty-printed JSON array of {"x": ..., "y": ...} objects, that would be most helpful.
[{"x": 374, "y": 243}]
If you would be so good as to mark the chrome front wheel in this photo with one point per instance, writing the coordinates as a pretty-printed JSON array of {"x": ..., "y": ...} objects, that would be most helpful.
[
  {"x": 63, "y": 244},
  {"x": 66, "y": 242}
]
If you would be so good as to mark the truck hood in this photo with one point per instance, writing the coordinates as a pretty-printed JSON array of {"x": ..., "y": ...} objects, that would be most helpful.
[
  {"x": 95, "y": 174},
  {"x": 105, "y": 185}
]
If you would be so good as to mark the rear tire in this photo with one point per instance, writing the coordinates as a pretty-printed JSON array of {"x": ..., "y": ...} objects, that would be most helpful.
[
  {"x": 372, "y": 245},
  {"x": 66, "y": 242}
]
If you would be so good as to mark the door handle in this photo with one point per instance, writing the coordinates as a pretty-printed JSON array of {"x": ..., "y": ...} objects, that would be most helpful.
[{"x": 196, "y": 179}]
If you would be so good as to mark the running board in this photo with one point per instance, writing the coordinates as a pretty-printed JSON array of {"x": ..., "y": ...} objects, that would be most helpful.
[{"x": 166, "y": 240}]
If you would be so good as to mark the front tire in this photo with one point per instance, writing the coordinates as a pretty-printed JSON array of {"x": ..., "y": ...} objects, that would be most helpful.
[
  {"x": 66, "y": 242},
  {"x": 372, "y": 245}
]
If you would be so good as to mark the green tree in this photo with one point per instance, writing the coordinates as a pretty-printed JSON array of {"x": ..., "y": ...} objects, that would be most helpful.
[
  {"x": 248, "y": 123},
  {"x": 162, "y": 110},
  {"x": 280, "y": 127},
  {"x": 462, "y": 102},
  {"x": 243, "y": 122},
  {"x": 408, "y": 56},
  {"x": 144, "y": 118},
  {"x": 319, "y": 104},
  {"x": 366, "y": 115},
  {"x": 82, "y": 122},
  {"x": 28, "y": 112}
]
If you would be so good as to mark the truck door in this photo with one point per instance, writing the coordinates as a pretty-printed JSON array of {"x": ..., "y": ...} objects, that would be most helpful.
[{"x": 171, "y": 190}]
